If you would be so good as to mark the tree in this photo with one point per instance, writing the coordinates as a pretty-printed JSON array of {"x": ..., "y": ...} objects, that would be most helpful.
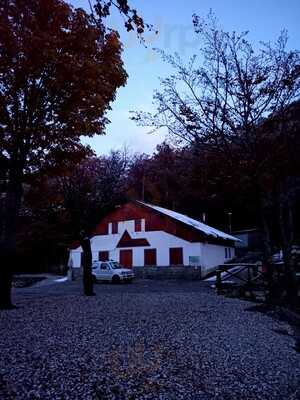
[
  {"x": 225, "y": 97},
  {"x": 91, "y": 189},
  {"x": 59, "y": 71},
  {"x": 234, "y": 107}
]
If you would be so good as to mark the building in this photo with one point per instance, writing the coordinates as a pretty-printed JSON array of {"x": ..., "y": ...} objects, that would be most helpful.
[
  {"x": 138, "y": 234},
  {"x": 250, "y": 239}
]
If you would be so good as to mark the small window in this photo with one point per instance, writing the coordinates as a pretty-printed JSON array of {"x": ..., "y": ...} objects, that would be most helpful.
[
  {"x": 229, "y": 252},
  {"x": 138, "y": 225},
  {"x": 194, "y": 261},
  {"x": 226, "y": 256},
  {"x": 104, "y": 266},
  {"x": 103, "y": 256},
  {"x": 114, "y": 227}
]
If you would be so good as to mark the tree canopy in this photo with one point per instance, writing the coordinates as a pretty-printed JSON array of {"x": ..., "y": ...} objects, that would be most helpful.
[
  {"x": 59, "y": 71},
  {"x": 235, "y": 107},
  {"x": 60, "y": 68}
]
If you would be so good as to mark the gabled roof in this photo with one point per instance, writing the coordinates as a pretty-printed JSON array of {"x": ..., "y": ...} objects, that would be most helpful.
[
  {"x": 127, "y": 241},
  {"x": 207, "y": 230}
]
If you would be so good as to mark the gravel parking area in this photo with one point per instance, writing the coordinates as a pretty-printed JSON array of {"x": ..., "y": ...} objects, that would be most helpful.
[{"x": 148, "y": 340}]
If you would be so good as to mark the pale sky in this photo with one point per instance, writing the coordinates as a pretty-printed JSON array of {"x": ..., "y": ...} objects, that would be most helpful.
[{"x": 264, "y": 19}]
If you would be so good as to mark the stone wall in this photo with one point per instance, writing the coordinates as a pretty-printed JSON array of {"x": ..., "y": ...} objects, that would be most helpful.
[{"x": 167, "y": 272}]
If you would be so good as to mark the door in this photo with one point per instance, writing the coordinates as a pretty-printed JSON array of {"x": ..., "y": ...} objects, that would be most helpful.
[
  {"x": 150, "y": 257},
  {"x": 126, "y": 258},
  {"x": 176, "y": 256}
]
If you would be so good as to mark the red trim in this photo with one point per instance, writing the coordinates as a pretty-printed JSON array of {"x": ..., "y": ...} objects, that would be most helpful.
[
  {"x": 102, "y": 229},
  {"x": 156, "y": 221},
  {"x": 127, "y": 241}
]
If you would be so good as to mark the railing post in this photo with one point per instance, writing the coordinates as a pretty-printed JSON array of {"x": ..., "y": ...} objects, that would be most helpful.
[
  {"x": 218, "y": 281},
  {"x": 255, "y": 269},
  {"x": 249, "y": 275}
]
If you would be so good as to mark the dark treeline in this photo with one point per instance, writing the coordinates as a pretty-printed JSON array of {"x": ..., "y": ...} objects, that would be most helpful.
[
  {"x": 234, "y": 143},
  {"x": 55, "y": 206}
]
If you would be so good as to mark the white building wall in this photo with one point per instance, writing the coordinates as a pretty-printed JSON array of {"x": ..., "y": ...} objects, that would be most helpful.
[
  {"x": 159, "y": 240},
  {"x": 209, "y": 255},
  {"x": 75, "y": 255},
  {"x": 214, "y": 255}
]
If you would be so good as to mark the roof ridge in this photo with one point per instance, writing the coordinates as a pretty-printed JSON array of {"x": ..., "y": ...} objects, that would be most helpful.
[{"x": 206, "y": 229}]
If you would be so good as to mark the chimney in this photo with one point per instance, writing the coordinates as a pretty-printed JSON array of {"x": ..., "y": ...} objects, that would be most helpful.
[{"x": 204, "y": 217}]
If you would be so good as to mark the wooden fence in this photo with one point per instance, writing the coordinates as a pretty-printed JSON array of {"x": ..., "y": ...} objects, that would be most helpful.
[{"x": 248, "y": 274}]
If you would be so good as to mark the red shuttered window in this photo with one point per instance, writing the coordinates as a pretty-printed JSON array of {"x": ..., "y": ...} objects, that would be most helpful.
[
  {"x": 138, "y": 225},
  {"x": 103, "y": 256},
  {"x": 176, "y": 256},
  {"x": 114, "y": 227},
  {"x": 150, "y": 257}
]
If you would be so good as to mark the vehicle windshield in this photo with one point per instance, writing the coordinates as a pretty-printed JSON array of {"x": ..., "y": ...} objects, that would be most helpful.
[{"x": 115, "y": 265}]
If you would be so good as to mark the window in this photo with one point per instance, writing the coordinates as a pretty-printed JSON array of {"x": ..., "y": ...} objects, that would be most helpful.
[
  {"x": 227, "y": 252},
  {"x": 104, "y": 266},
  {"x": 194, "y": 261},
  {"x": 114, "y": 227},
  {"x": 103, "y": 255},
  {"x": 176, "y": 256},
  {"x": 149, "y": 257},
  {"x": 138, "y": 225}
]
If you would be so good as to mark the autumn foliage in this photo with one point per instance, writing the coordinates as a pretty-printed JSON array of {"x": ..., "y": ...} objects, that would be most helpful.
[{"x": 59, "y": 72}]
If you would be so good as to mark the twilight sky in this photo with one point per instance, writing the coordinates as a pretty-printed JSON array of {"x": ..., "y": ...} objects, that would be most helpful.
[{"x": 173, "y": 18}]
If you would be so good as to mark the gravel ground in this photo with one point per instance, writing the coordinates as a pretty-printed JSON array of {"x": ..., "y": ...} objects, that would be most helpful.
[{"x": 148, "y": 340}]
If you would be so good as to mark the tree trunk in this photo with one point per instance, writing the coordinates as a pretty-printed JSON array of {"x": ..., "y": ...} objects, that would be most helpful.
[
  {"x": 8, "y": 229},
  {"x": 5, "y": 280},
  {"x": 267, "y": 246},
  {"x": 267, "y": 241},
  {"x": 286, "y": 223},
  {"x": 87, "y": 265}
]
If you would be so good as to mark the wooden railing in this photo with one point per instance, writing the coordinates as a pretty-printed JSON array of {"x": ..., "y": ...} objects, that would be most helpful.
[{"x": 248, "y": 273}]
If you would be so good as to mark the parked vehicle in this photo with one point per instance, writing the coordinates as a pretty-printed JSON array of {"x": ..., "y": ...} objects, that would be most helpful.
[{"x": 111, "y": 271}]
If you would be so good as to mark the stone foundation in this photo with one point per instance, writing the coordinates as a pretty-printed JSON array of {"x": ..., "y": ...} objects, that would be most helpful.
[{"x": 167, "y": 272}]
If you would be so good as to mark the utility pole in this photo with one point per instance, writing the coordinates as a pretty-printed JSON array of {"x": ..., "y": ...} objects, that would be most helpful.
[
  {"x": 143, "y": 188},
  {"x": 229, "y": 221}
]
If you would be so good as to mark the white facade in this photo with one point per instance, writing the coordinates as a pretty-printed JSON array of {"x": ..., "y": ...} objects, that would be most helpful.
[{"x": 205, "y": 255}]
